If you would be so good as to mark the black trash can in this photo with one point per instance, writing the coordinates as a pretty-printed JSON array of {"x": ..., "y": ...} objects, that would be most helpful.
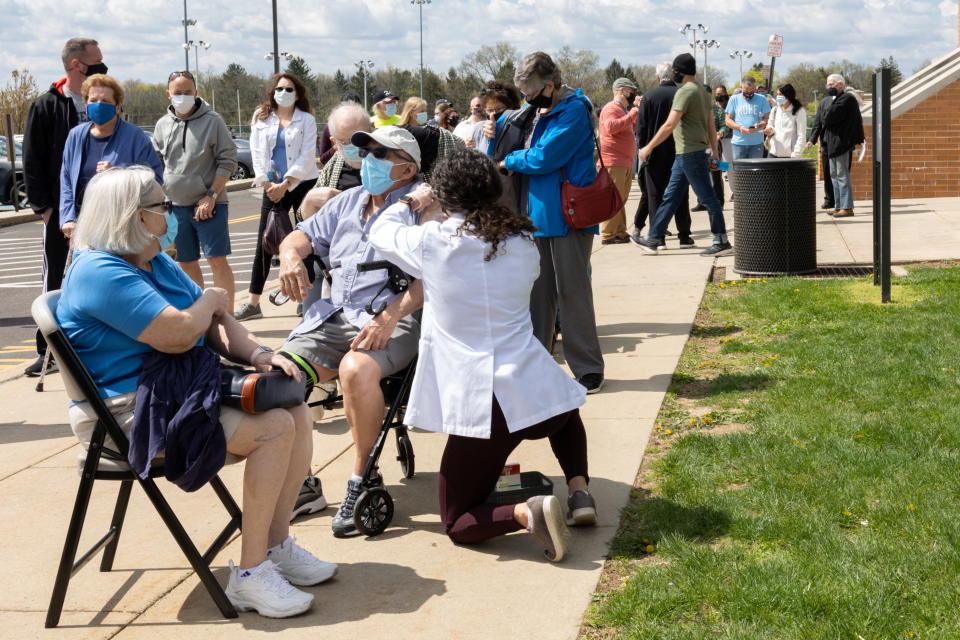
[{"x": 775, "y": 209}]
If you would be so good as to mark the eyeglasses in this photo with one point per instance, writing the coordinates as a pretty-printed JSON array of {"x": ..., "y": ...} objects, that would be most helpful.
[
  {"x": 382, "y": 152},
  {"x": 287, "y": 89},
  {"x": 180, "y": 74},
  {"x": 165, "y": 207}
]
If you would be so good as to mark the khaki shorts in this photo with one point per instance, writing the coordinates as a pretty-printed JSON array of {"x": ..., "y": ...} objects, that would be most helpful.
[
  {"x": 83, "y": 418},
  {"x": 327, "y": 344}
]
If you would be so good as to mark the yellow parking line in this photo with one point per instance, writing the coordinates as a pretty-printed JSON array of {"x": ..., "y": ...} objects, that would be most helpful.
[
  {"x": 30, "y": 341},
  {"x": 245, "y": 219},
  {"x": 15, "y": 350},
  {"x": 14, "y": 359}
]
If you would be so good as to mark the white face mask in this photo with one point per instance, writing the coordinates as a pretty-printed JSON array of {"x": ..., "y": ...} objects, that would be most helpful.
[
  {"x": 285, "y": 98},
  {"x": 182, "y": 104}
]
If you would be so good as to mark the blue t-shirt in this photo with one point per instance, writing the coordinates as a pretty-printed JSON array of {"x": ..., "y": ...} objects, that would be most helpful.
[
  {"x": 280, "y": 154},
  {"x": 93, "y": 148},
  {"x": 747, "y": 113},
  {"x": 107, "y": 302}
]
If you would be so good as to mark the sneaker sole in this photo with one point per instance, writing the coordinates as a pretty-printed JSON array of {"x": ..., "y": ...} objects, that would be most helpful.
[
  {"x": 310, "y": 507},
  {"x": 719, "y": 254},
  {"x": 256, "y": 316},
  {"x": 245, "y": 605},
  {"x": 306, "y": 583},
  {"x": 556, "y": 528},
  {"x": 583, "y": 517},
  {"x": 597, "y": 389}
]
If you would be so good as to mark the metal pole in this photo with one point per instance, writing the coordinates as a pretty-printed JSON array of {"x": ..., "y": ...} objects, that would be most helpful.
[
  {"x": 196, "y": 59},
  {"x": 186, "y": 38},
  {"x": 881, "y": 172},
  {"x": 773, "y": 63},
  {"x": 420, "y": 4},
  {"x": 705, "y": 47},
  {"x": 276, "y": 41},
  {"x": 239, "y": 120},
  {"x": 877, "y": 186},
  {"x": 365, "y": 88}
]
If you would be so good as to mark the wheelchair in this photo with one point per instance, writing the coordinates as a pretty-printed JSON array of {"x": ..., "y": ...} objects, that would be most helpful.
[{"x": 374, "y": 509}]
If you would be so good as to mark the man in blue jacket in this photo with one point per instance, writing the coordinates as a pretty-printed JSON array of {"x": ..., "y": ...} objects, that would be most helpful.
[{"x": 561, "y": 141}]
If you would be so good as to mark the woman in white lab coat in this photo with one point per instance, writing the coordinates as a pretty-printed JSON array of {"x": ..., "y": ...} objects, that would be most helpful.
[{"x": 482, "y": 376}]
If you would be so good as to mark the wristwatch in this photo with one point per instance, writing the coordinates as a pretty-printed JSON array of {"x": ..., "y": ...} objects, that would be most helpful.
[
  {"x": 260, "y": 349},
  {"x": 212, "y": 194}
]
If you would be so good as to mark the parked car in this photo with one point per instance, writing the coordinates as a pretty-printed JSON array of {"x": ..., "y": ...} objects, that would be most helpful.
[
  {"x": 11, "y": 192},
  {"x": 244, "y": 160}
]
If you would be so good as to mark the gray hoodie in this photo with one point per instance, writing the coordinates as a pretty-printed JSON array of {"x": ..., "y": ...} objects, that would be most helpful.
[{"x": 194, "y": 149}]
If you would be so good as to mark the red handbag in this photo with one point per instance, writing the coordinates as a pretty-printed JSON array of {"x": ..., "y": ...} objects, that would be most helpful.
[{"x": 590, "y": 205}]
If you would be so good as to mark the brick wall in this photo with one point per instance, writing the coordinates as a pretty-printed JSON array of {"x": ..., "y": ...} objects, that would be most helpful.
[{"x": 925, "y": 151}]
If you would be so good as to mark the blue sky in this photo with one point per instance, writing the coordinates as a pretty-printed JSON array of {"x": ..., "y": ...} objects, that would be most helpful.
[{"x": 143, "y": 39}]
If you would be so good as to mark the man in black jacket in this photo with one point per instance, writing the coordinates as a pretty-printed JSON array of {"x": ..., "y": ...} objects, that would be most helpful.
[
  {"x": 841, "y": 132},
  {"x": 816, "y": 135},
  {"x": 654, "y": 111},
  {"x": 50, "y": 119}
]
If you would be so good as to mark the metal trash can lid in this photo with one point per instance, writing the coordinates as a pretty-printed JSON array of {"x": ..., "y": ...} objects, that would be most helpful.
[{"x": 746, "y": 164}]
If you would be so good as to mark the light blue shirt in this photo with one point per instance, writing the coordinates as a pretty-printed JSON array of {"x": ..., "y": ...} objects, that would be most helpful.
[
  {"x": 341, "y": 236},
  {"x": 280, "y": 154},
  {"x": 107, "y": 303},
  {"x": 747, "y": 113}
]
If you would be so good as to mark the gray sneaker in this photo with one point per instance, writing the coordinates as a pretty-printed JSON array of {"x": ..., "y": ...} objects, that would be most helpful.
[
  {"x": 248, "y": 312},
  {"x": 342, "y": 524},
  {"x": 548, "y": 526},
  {"x": 310, "y": 500},
  {"x": 581, "y": 510}
]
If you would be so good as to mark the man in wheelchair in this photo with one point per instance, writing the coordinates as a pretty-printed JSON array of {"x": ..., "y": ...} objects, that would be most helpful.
[{"x": 338, "y": 337}]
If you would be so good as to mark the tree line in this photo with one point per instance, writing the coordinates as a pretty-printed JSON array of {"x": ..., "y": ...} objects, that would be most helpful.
[{"x": 235, "y": 93}]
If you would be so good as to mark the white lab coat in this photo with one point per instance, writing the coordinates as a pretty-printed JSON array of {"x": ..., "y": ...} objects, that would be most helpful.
[
  {"x": 300, "y": 139},
  {"x": 476, "y": 337}
]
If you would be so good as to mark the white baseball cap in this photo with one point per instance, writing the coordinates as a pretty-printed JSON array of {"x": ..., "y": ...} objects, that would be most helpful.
[{"x": 391, "y": 137}]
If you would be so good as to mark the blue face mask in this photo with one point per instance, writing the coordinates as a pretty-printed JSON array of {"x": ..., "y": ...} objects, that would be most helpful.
[
  {"x": 167, "y": 238},
  {"x": 781, "y": 100},
  {"x": 375, "y": 175},
  {"x": 422, "y": 118},
  {"x": 101, "y": 112},
  {"x": 351, "y": 153},
  {"x": 390, "y": 109}
]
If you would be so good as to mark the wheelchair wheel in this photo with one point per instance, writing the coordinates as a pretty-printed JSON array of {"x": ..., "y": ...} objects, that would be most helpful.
[
  {"x": 373, "y": 511},
  {"x": 405, "y": 455}
]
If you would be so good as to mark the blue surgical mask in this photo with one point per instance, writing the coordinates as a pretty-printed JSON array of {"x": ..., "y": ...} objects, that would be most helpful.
[
  {"x": 390, "y": 109},
  {"x": 351, "y": 153},
  {"x": 422, "y": 118},
  {"x": 781, "y": 100},
  {"x": 167, "y": 238},
  {"x": 101, "y": 112},
  {"x": 375, "y": 175}
]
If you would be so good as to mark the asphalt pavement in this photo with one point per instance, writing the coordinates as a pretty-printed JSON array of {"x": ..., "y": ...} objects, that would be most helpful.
[{"x": 21, "y": 259}]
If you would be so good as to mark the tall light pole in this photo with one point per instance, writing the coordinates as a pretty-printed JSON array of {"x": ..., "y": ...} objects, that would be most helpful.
[
  {"x": 705, "y": 45},
  {"x": 187, "y": 22},
  {"x": 741, "y": 55},
  {"x": 276, "y": 41},
  {"x": 420, "y": 3},
  {"x": 364, "y": 66},
  {"x": 693, "y": 29},
  {"x": 276, "y": 59}
]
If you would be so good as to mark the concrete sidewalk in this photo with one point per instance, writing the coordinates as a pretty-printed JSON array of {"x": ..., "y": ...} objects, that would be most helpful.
[{"x": 410, "y": 582}]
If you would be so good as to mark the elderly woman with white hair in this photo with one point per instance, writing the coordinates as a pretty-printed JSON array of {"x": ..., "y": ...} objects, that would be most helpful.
[{"x": 124, "y": 299}]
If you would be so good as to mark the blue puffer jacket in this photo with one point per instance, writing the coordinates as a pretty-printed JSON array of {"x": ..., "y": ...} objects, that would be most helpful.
[{"x": 562, "y": 139}]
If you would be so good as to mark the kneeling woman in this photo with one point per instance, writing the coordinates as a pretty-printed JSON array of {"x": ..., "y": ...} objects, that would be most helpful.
[
  {"x": 124, "y": 300},
  {"x": 482, "y": 376}
]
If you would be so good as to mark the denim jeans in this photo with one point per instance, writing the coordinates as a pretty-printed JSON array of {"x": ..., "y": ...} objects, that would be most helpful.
[
  {"x": 744, "y": 151},
  {"x": 689, "y": 170},
  {"x": 840, "y": 177}
]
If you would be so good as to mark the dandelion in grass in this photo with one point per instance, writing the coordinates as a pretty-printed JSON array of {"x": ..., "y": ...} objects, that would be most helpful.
[{"x": 912, "y": 507}]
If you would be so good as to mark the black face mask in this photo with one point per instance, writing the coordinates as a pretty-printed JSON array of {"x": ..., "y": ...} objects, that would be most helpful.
[
  {"x": 630, "y": 98},
  {"x": 93, "y": 69},
  {"x": 722, "y": 100},
  {"x": 541, "y": 101},
  {"x": 677, "y": 77},
  {"x": 454, "y": 121}
]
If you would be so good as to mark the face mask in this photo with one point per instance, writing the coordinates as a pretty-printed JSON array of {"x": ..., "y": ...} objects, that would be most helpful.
[
  {"x": 541, "y": 101},
  {"x": 677, "y": 77},
  {"x": 454, "y": 121},
  {"x": 722, "y": 100},
  {"x": 285, "y": 98},
  {"x": 630, "y": 97},
  {"x": 375, "y": 175},
  {"x": 748, "y": 96},
  {"x": 351, "y": 153},
  {"x": 101, "y": 112},
  {"x": 167, "y": 238},
  {"x": 390, "y": 109},
  {"x": 781, "y": 100},
  {"x": 833, "y": 92},
  {"x": 182, "y": 104},
  {"x": 422, "y": 118},
  {"x": 93, "y": 69}
]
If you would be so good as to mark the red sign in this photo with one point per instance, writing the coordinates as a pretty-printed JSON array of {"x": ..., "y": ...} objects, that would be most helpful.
[{"x": 775, "y": 46}]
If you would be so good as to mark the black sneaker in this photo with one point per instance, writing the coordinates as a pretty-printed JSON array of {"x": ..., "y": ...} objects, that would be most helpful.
[
  {"x": 827, "y": 205},
  {"x": 646, "y": 244},
  {"x": 342, "y": 524},
  {"x": 35, "y": 369},
  {"x": 687, "y": 242},
  {"x": 699, "y": 207},
  {"x": 593, "y": 382},
  {"x": 581, "y": 510},
  {"x": 310, "y": 500},
  {"x": 248, "y": 312},
  {"x": 717, "y": 250}
]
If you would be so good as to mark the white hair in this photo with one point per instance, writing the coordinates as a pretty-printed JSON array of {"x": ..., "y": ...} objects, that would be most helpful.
[
  {"x": 345, "y": 113},
  {"x": 108, "y": 220},
  {"x": 836, "y": 77},
  {"x": 664, "y": 71}
]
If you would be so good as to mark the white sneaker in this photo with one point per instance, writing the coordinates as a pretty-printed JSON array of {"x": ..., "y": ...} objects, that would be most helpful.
[
  {"x": 299, "y": 566},
  {"x": 264, "y": 590}
]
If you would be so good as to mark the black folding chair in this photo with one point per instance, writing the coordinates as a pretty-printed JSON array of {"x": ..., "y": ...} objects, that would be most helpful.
[{"x": 103, "y": 463}]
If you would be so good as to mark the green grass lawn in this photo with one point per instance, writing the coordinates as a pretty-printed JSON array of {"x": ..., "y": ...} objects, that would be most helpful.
[{"x": 803, "y": 481}]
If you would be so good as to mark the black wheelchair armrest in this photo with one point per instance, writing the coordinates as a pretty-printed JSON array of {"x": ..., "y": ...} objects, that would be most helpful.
[{"x": 397, "y": 282}]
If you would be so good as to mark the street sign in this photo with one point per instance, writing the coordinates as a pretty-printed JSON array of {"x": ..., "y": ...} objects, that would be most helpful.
[{"x": 775, "y": 46}]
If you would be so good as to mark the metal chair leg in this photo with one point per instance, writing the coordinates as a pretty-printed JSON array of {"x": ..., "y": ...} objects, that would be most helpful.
[{"x": 116, "y": 525}]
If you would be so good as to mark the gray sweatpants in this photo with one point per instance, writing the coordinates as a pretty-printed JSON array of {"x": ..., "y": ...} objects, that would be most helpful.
[{"x": 565, "y": 281}]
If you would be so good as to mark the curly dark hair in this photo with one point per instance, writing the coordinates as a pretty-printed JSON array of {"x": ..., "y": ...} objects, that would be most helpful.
[
  {"x": 468, "y": 181},
  {"x": 505, "y": 92}
]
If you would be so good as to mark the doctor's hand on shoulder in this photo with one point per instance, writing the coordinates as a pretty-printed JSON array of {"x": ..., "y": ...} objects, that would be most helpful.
[{"x": 423, "y": 201}]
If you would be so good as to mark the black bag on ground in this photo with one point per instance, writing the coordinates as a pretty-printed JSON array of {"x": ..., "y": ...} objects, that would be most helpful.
[
  {"x": 278, "y": 227},
  {"x": 255, "y": 392}
]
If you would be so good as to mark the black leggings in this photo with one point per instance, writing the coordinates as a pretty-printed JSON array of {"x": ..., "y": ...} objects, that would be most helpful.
[{"x": 261, "y": 261}]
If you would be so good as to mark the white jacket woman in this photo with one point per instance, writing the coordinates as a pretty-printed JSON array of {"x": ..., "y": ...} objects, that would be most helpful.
[
  {"x": 301, "y": 144},
  {"x": 788, "y": 121}
]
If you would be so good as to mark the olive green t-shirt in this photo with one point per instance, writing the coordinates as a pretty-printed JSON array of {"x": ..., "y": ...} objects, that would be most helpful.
[{"x": 692, "y": 134}]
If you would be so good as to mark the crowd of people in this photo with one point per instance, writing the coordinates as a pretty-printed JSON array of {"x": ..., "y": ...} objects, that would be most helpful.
[{"x": 459, "y": 203}]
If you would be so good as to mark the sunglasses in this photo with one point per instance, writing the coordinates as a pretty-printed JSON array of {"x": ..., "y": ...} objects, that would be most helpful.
[
  {"x": 287, "y": 89},
  {"x": 382, "y": 152},
  {"x": 180, "y": 74},
  {"x": 165, "y": 207}
]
